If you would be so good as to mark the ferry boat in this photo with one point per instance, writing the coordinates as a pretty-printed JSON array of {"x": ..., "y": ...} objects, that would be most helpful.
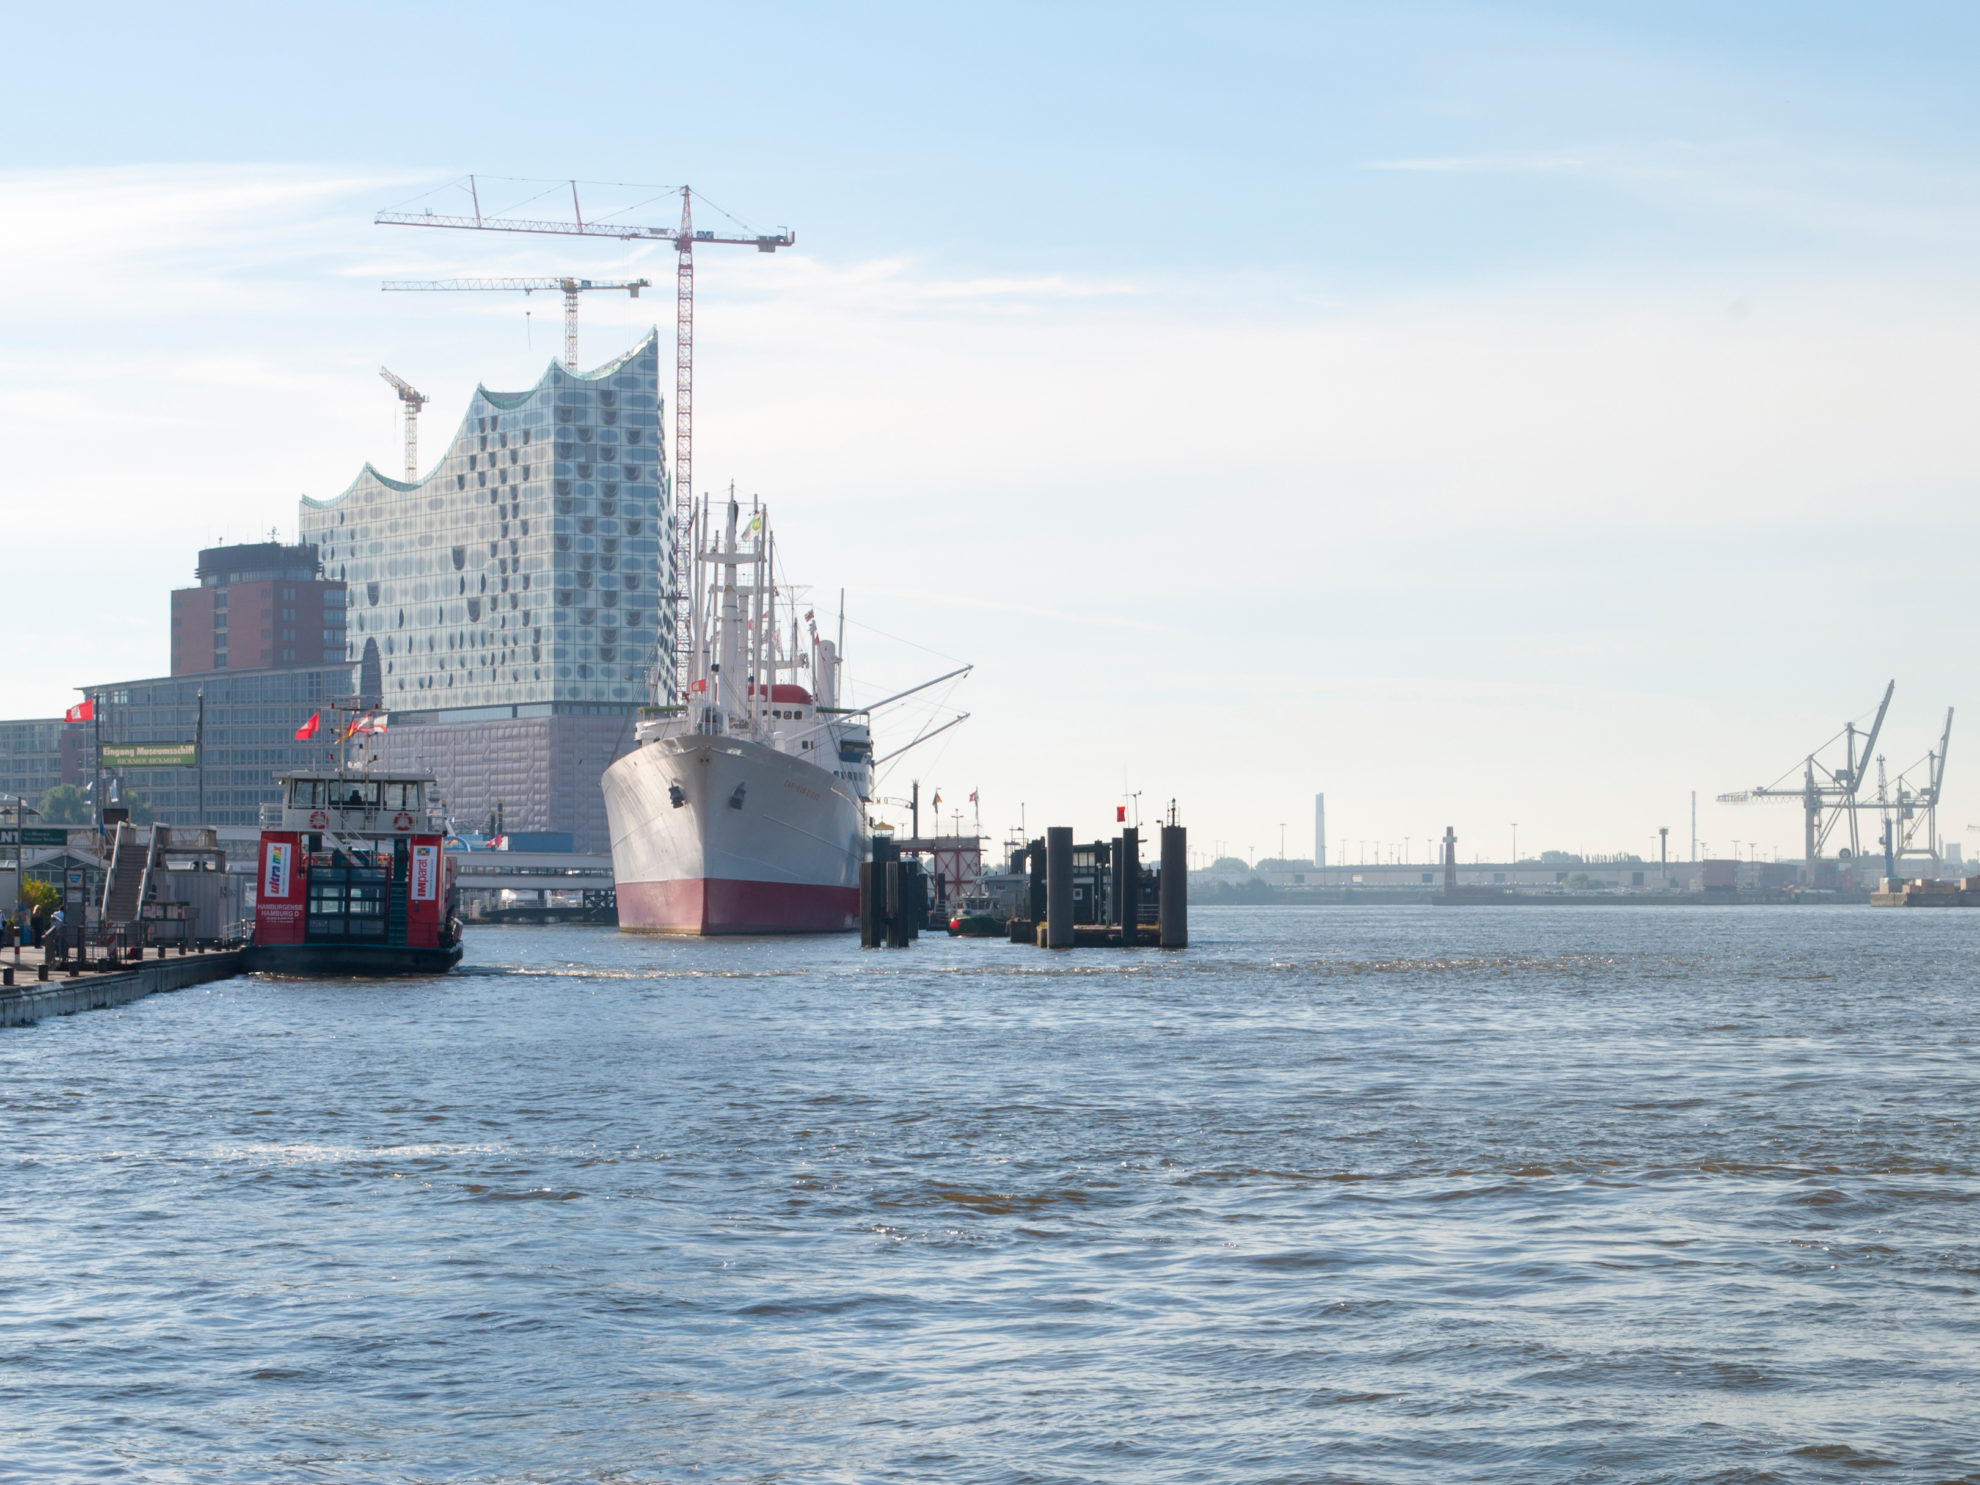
[{"x": 353, "y": 879}]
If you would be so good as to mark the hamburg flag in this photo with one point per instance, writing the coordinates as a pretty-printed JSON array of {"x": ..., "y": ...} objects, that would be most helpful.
[
  {"x": 1120, "y": 812},
  {"x": 308, "y": 729},
  {"x": 83, "y": 711}
]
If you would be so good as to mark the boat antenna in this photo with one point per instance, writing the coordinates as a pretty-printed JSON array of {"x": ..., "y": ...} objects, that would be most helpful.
[{"x": 842, "y": 626}]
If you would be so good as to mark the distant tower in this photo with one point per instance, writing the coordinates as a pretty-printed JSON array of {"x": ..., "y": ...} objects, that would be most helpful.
[{"x": 1319, "y": 830}]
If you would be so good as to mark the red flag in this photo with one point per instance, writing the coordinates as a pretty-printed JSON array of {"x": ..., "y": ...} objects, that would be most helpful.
[
  {"x": 308, "y": 729},
  {"x": 1120, "y": 813},
  {"x": 83, "y": 711}
]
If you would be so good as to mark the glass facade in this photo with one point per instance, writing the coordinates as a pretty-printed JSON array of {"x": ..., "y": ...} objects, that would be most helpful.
[
  {"x": 31, "y": 756},
  {"x": 250, "y": 736},
  {"x": 531, "y": 565}
]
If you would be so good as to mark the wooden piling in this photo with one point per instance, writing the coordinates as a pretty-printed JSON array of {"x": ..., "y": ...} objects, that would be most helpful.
[
  {"x": 1058, "y": 887},
  {"x": 1173, "y": 913},
  {"x": 1129, "y": 876},
  {"x": 869, "y": 916}
]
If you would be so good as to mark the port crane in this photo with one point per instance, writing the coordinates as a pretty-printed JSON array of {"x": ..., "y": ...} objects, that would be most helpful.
[
  {"x": 1917, "y": 805},
  {"x": 1828, "y": 792},
  {"x": 413, "y": 400},
  {"x": 684, "y": 239},
  {"x": 571, "y": 287}
]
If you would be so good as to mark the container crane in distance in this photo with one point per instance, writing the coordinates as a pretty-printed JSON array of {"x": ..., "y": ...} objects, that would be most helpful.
[
  {"x": 1827, "y": 792},
  {"x": 1915, "y": 805},
  {"x": 572, "y": 287},
  {"x": 685, "y": 239},
  {"x": 414, "y": 401}
]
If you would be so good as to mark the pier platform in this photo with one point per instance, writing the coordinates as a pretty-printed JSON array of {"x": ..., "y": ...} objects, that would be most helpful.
[
  {"x": 30, "y": 999},
  {"x": 1086, "y": 935}
]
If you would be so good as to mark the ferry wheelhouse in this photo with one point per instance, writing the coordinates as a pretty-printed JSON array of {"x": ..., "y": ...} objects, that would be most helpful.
[{"x": 354, "y": 879}]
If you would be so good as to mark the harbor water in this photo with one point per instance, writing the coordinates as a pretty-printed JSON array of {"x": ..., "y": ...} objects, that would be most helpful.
[{"x": 1351, "y": 1194}]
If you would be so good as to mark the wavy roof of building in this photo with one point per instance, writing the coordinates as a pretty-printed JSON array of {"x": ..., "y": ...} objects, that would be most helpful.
[{"x": 506, "y": 401}]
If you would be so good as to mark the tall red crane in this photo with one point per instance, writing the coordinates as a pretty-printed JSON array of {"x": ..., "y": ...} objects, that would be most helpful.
[{"x": 685, "y": 238}]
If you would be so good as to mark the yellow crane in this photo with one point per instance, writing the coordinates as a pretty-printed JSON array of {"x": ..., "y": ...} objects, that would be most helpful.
[{"x": 413, "y": 401}]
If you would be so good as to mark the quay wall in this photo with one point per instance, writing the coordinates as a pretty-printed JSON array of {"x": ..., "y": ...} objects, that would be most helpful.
[{"x": 93, "y": 990}]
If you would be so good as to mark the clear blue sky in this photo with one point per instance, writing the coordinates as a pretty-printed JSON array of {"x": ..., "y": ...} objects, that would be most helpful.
[{"x": 1501, "y": 411}]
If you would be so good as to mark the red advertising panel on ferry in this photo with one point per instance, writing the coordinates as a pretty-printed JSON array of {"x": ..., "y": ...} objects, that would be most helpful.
[
  {"x": 426, "y": 890},
  {"x": 279, "y": 889}
]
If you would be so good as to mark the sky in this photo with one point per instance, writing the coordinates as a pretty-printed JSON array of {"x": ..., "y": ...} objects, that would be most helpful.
[{"x": 1479, "y": 413}]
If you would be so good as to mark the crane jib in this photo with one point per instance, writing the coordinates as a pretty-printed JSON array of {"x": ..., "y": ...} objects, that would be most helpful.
[
  {"x": 765, "y": 242},
  {"x": 684, "y": 238}
]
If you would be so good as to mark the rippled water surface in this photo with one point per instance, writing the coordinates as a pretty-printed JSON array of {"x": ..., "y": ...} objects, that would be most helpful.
[{"x": 1339, "y": 1194}]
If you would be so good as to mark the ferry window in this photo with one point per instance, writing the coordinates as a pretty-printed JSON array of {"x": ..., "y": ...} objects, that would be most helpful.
[
  {"x": 402, "y": 796},
  {"x": 307, "y": 794}
]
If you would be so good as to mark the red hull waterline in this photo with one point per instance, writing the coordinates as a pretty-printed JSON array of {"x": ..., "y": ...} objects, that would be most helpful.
[{"x": 729, "y": 905}]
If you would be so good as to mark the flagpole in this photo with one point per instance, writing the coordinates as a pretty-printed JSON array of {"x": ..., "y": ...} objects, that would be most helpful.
[{"x": 96, "y": 727}]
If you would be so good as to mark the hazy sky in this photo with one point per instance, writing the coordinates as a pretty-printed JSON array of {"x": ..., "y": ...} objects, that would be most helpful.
[{"x": 1479, "y": 412}]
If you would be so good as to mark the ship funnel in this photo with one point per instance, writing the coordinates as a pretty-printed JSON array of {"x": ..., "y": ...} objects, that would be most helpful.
[{"x": 826, "y": 679}]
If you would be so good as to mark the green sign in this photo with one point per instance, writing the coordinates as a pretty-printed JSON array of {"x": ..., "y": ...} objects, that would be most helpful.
[
  {"x": 35, "y": 835},
  {"x": 151, "y": 755}
]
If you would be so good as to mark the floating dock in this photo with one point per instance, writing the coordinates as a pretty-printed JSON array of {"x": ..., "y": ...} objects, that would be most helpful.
[{"x": 1091, "y": 896}]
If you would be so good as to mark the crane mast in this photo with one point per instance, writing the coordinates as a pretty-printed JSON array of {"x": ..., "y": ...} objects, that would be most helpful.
[
  {"x": 413, "y": 401},
  {"x": 684, "y": 239}
]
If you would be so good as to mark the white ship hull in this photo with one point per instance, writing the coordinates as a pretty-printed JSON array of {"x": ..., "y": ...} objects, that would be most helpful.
[{"x": 760, "y": 841}]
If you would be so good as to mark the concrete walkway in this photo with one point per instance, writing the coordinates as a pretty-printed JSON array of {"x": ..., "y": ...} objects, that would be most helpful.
[{"x": 29, "y": 998}]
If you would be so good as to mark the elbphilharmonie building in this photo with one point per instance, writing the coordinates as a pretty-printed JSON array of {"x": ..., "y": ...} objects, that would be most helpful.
[{"x": 508, "y": 608}]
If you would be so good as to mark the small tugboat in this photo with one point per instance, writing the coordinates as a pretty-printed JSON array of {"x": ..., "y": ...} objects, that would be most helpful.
[
  {"x": 978, "y": 917},
  {"x": 353, "y": 879}
]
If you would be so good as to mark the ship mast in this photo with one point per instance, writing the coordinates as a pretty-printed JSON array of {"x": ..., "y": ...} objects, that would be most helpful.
[{"x": 730, "y": 658}]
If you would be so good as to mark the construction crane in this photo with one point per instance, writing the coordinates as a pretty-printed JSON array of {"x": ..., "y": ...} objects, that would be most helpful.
[
  {"x": 572, "y": 287},
  {"x": 685, "y": 239},
  {"x": 413, "y": 401},
  {"x": 1827, "y": 793}
]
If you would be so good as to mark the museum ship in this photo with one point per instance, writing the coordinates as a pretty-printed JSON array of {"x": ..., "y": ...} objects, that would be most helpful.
[
  {"x": 352, "y": 878},
  {"x": 743, "y": 807}
]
